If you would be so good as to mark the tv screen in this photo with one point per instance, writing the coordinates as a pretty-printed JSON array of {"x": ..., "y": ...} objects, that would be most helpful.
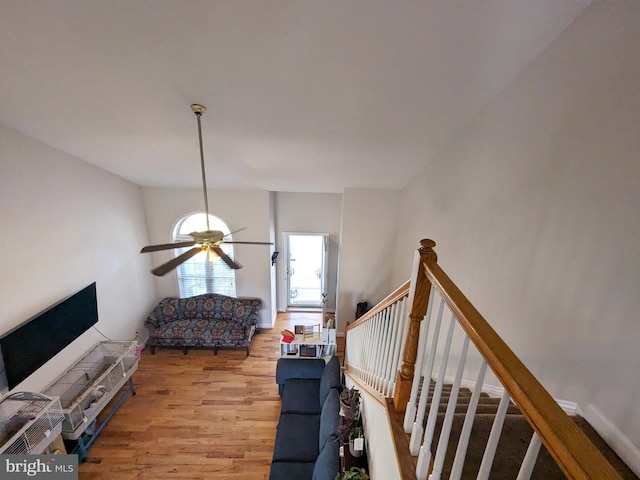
[{"x": 30, "y": 345}]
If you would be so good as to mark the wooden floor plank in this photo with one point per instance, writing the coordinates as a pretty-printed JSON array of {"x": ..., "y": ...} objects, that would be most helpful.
[{"x": 197, "y": 416}]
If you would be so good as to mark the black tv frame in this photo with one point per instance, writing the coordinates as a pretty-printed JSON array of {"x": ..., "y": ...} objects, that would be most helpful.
[{"x": 34, "y": 342}]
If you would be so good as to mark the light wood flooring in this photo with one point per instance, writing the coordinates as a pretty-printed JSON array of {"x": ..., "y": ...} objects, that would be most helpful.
[{"x": 197, "y": 416}]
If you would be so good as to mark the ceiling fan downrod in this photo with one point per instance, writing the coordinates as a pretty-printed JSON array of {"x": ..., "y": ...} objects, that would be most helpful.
[{"x": 199, "y": 110}]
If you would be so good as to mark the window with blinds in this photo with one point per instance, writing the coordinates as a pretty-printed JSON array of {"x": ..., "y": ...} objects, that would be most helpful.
[{"x": 204, "y": 273}]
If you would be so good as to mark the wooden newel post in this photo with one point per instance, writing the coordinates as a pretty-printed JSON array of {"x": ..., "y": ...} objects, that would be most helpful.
[{"x": 418, "y": 302}]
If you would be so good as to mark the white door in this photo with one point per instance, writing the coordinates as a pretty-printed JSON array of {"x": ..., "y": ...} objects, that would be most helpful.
[{"x": 306, "y": 256}]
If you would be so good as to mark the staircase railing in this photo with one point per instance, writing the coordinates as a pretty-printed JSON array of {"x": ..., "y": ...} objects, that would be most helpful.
[
  {"x": 417, "y": 315},
  {"x": 374, "y": 344}
]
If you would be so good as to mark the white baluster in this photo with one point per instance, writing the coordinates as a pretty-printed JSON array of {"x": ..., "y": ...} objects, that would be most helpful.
[
  {"x": 397, "y": 347},
  {"x": 366, "y": 335},
  {"x": 388, "y": 348},
  {"x": 393, "y": 330},
  {"x": 347, "y": 348},
  {"x": 424, "y": 394},
  {"x": 373, "y": 351},
  {"x": 494, "y": 437},
  {"x": 526, "y": 469},
  {"x": 405, "y": 328},
  {"x": 465, "y": 434},
  {"x": 382, "y": 338},
  {"x": 443, "y": 442},
  {"x": 361, "y": 349},
  {"x": 369, "y": 332},
  {"x": 388, "y": 324},
  {"x": 374, "y": 347},
  {"x": 424, "y": 457},
  {"x": 423, "y": 339},
  {"x": 353, "y": 339},
  {"x": 356, "y": 358},
  {"x": 412, "y": 404}
]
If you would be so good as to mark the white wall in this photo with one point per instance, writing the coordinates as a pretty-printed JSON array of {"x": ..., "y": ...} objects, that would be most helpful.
[
  {"x": 380, "y": 448},
  {"x": 535, "y": 209},
  {"x": 238, "y": 209},
  {"x": 308, "y": 213},
  {"x": 366, "y": 249},
  {"x": 65, "y": 224}
]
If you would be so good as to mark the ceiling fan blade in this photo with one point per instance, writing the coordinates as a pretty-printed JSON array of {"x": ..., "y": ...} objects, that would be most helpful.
[
  {"x": 248, "y": 243},
  {"x": 236, "y": 231},
  {"x": 225, "y": 258},
  {"x": 167, "y": 246},
  {"x": 171, "y": 264}
]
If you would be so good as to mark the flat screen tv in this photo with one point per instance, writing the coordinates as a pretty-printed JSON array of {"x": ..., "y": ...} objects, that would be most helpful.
[{"x": 30, "y": 345}]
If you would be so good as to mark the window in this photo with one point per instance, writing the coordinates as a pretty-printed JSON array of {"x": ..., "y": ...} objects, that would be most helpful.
[{"x": 203, "y": 273}]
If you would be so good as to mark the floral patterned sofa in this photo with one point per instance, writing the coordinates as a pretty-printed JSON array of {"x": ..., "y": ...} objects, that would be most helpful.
[{"x": 206, "y": 321}]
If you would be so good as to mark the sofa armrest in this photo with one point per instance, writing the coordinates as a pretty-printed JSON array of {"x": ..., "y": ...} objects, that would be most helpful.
[
  {"x": 153, "y": 321},
  {"x": 299, "y": 368},
  {"x": 165, "y": 312},
  {"x": 252, "y": 321},
  {"x": 250, "y": 311}
]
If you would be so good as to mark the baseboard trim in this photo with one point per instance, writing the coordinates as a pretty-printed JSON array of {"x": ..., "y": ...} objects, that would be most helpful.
[
  {"x": 618, "y": 441},
  {"x": 570, "y": 408}
]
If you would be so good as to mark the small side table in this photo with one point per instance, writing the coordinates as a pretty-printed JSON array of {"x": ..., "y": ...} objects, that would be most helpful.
[{"x": 314, "y": 347}]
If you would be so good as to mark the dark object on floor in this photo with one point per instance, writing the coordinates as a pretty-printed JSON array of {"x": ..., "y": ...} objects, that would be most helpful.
[{"x": 361, "y": 309}]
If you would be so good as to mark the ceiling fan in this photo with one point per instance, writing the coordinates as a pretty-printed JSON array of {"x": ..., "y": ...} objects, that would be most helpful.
[{"x": 205, "y": 241}]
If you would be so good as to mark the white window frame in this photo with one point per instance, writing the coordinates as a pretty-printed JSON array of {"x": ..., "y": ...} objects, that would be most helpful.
[{"x": 203, "y": 273}]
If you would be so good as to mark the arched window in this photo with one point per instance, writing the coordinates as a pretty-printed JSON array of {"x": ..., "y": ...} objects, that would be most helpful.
[{"x": 203, "y": 273}]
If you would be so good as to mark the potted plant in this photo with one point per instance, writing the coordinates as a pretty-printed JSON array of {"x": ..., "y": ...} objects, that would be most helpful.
[
  {"x": 346, "y": 423},
  {"x": 355, "y": 433},
  {"x": 350, "y": 403},
  {"x": 354, "y": 473}
]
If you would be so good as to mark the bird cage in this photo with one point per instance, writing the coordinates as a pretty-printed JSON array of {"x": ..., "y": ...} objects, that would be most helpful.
[
  {"x": 87, "y": 386},
  {"x": 28, "y": 423}
]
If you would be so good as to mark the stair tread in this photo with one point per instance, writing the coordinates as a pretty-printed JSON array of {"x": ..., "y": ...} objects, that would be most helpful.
[{"x": 513, "y": 443}]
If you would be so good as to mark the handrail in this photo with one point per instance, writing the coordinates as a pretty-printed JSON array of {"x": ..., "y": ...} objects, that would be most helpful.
[
  {"x": 363, "y": 386},
  {"x": 572, "y": 450},
  {"x": 399, "y": 293}
]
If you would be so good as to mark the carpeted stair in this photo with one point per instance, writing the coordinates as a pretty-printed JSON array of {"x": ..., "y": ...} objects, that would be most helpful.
[{"x": 514, "y": 440}]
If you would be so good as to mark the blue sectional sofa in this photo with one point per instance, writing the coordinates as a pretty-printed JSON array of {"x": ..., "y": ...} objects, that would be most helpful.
[
  {"x": 207, "y": 321},
  {"x": 306, "y": 446}
]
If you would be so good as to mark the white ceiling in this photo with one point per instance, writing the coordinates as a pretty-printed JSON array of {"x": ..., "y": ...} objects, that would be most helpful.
[{"x": 303, "y": 95}]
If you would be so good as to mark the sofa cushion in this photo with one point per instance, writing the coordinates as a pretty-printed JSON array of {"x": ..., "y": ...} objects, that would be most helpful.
[
  {"x": 201, "y": 332},
  {"x": 297, "y": 438},
  {"x": 298, "y": 368},
  {"x": 300, "y": 395},
  {"x": 183, "y": 332},
  {"x": 330, "y": 378},
  {"x": 329, "y": 418},
  {"x": 291, "y": 471},
  {"x": 328, "y": 462}
]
